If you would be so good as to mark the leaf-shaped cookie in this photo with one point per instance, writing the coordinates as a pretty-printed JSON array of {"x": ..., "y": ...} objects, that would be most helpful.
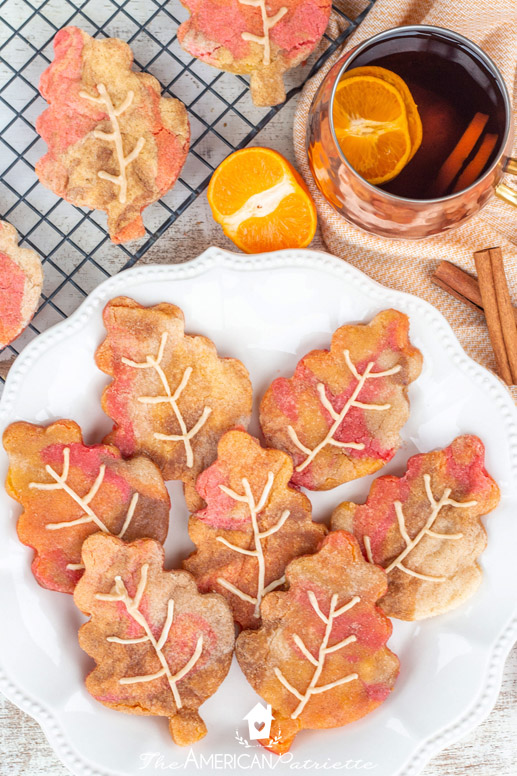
[
  {"x": 259, "y": 38},
  {"x": 172, "y": 397},
  {"x": 340, "y": 414},
  {"x": 21, "y": 278},
  {"x": 424, "y": 528},
  {"x": 252, "y": 527},
  {"x": 69, "y": 490},
  {"x": 113, "y": 142},
  {"x": 161, "y": 647},
  {"x": 320, "y": 658}
]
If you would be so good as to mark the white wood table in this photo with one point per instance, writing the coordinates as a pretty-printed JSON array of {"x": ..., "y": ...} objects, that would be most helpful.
[{"x": 491, "y": 750}]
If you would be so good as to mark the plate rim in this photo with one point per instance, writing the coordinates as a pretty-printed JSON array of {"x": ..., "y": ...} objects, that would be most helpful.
[{"x": 301, "y": 258}]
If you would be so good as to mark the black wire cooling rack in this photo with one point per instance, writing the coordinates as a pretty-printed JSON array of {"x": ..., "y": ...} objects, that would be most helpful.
[{"x": 73, "y": 241}]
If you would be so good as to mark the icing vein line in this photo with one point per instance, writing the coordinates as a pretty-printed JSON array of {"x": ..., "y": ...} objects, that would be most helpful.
[
  {"x": 338, "y": 417},
  {"x": 61, "y": 483},
  {"x": 426, "y": 530},
  {"x": 132, "y": 608},
  {"x": 268, "y": 22},
  {"x": 255, "y": 508},
  {"x": 115, "y": 137},
  {"x": 154, "y": 362},
  {"x": 314, "y": 688}
]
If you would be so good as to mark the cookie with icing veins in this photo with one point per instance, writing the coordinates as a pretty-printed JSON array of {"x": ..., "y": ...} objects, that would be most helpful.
[
  {"x": 159, "y": 646},
  {"x": 253, "y": 525},
  {"x": 339, "y": 416},
  {"x": 114, "y": 143},
  {"x": 425, "y": 529},
  {"x": 70, "y": 490},
  {"x": 171, "y": 397},
  {"x": 259, "y": 38},
  {"x": 320, "y": 657}
]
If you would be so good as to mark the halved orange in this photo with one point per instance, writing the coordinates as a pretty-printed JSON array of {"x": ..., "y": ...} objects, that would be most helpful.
[
  {"x": 413, "y": 117},
  {"x": 370, "y": 120},
  {"x": 261, "y": 201}
]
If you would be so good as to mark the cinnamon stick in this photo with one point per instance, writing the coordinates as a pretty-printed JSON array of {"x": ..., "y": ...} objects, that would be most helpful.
[
  {"x": 506, "y": 312},
  {"x": 460, "y": 284},
  {"x": 494, "y": 319}
]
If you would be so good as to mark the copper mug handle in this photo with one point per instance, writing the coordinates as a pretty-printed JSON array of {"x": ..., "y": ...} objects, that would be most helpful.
[{"x": 503, "y": 191}]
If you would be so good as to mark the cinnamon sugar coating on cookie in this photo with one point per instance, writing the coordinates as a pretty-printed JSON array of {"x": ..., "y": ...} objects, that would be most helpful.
[
  {"x": 340, "y": 414},
  {"x": 70, "y": 490},
  {"x": 160, "y": 647},
  {"x": 172, "y": 397},
  {"x": 425, "y": 529},
  {"x": 253, "y": 525},
  {"x": 260, "y": 38},
  {"x": 320, "y": 657},
  {"x": 21, "y": 279},
  {"x": 114, "y": 143}
]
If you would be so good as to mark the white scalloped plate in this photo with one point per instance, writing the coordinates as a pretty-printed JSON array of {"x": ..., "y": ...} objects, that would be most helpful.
[{"x": 267, "y": 310}]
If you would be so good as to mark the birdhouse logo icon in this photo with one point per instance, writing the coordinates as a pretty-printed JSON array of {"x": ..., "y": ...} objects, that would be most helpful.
[{"x": 259, "y": 721}]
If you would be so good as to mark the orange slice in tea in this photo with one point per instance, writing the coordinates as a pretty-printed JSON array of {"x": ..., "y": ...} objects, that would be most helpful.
[
  {"x": 261, "y": 201},
  {"x": 413, "y": 117},
  {"x": 371, "y": 124}
]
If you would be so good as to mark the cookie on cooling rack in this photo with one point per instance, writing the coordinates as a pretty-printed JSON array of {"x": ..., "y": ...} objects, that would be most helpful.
[
  {"x": 320, "y": 657},
  {"x": 69, "y": 490},
  {"x": 259, "y": 38},
  {"x": 425, "y": 530},
  {"x": 21, "y": 279},
  {"x": 113, "y": 143},
  {"x": 172, "y": 397},
  {"x": 252, "y": 527},
  {"x": 340, "y": 414},
  {"x": 161, "y": 648}
]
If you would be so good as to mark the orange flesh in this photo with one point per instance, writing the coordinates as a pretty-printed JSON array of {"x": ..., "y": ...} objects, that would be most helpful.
[
  {"x": 371, "y": 125},
  {"x": 413, "y": 117},
  {"x": 261, "y": 202}
]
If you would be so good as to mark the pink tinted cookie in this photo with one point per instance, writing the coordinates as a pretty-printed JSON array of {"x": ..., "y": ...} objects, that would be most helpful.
[
  {"x": 114, "y": 143},
  {"x": 21, "y": 278},
  {"x": 172, "y": 396},
  {"x": 260, "y": 38},
  {"x": 69, "y": 490},
  {"x": 160, "y": 647},
  {"x": 253, "y": 525},
  {"x": 425, "y": 529},
  {"x": 340, "y": 414},
  {"x": 320, "y": 658}
]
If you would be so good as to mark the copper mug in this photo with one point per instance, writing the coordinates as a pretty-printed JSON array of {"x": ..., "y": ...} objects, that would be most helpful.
[{"x": 377, "y": 211}]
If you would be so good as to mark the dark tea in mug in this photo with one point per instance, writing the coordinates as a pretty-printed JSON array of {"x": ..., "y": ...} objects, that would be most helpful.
[{"x": 460, "y": 104}]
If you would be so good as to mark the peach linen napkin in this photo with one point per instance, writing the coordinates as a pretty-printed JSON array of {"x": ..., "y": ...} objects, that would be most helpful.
[{"x": 407, "y": 265}]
